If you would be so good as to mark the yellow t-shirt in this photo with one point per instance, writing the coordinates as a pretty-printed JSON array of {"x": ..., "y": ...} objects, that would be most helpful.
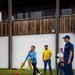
[{"x": 47, "y": 54}]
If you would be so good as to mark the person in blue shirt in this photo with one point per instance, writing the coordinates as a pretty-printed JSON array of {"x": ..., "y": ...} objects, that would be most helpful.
[
  {"x": 68, "y": 56},
  {"x": 32, "y": 55}
]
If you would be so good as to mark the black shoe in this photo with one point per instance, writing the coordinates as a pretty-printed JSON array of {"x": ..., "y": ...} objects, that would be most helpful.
[{"x": 51, "y": 73}]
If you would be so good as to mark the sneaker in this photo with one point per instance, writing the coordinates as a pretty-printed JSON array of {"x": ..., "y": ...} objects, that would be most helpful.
[{"x": 39, "y": 73}]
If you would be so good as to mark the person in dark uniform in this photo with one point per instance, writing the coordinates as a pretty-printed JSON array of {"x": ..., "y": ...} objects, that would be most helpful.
[{"x": 68, "y": 56}]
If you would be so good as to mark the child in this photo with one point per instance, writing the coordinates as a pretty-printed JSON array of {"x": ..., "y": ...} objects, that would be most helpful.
[
  {"x": 32, "y": 55},
  {"x": 60, "y": 62}
]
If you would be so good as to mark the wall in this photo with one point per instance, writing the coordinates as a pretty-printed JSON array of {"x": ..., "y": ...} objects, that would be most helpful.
[
  {"x": 3, "y": 52},
  {"x": 21, "y": 46},
  {"x": 38, "y": 26}
]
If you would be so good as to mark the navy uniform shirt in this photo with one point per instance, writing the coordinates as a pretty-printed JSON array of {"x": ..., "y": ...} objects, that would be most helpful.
[{"x": 68, "y": 47}]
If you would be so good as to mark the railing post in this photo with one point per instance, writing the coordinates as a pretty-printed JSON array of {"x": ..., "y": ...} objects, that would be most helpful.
[
  {"x": 10, "y": 33},
  {"x": 57, "y": 27}
]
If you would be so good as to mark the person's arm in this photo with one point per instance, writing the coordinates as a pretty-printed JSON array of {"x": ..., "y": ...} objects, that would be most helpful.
[
  {"x": 71, "y": 53},
  {"x": 50, "y": 54},
  {"x": 57, "y": 57},
  {"x": 70, "y": 56},
  {"x": 26, "y": 58},
  {"x": 43, "y": 56}
]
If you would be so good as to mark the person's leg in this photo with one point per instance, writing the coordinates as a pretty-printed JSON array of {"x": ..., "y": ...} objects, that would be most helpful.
[
  {"x": 57, "y": 68},
  {"x": 57, "y": 71},
  {"x": 69, "y": 69},
  {"x": 65, "y": 68},
  {"x": 61, "y": 71},
  {"x": 45, "y": 66},
  {"x": 49, "y": 64},
  {"x": 37, "y": 70},
  {"x": 34, "y": 68}
]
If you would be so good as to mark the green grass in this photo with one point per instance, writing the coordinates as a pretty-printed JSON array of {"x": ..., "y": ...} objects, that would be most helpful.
[{"x": 22, "y": 72}]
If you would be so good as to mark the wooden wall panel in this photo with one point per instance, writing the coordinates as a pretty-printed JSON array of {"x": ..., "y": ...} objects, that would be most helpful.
[
  {"x": 62, "y": 25},
  {"x": 38, "y": 26},
  {"x": 73, "y": 24},
  {"x": 41, "y": 27},
  {"x": 3, "y": 29},
  {"x": 69, "y": 25},
  {"x": 52, "y": 24},
  {"x": 44, "y": 26},
  {"x": 15, "y": 28},
  {"x": 26, "y": 27},
  {"x": 66, "y": 25}
]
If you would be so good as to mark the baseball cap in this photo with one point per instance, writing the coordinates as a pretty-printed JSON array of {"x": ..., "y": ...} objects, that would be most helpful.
[{"x": 66, "y": 36}]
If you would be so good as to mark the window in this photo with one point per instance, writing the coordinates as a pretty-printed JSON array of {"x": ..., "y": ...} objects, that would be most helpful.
[
  {"x": 26, "y": 15},
  {"x": 65, "y": 11},
  {"x": 20, "y": 15},
  {"x": 35, "y": 14}
]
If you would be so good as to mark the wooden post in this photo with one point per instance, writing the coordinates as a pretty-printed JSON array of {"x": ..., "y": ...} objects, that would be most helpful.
[
  {"x": 57, "y": 27},
  {"x": 10, "y": 33}
]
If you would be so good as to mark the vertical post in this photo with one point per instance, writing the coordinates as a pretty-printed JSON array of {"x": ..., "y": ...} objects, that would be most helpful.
[
  {"x": 57, "y": 26},
  {"x": 10, "y": 33}
]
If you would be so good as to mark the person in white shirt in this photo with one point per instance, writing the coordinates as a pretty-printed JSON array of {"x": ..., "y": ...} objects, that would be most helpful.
[{"x": 60, "y": 62}]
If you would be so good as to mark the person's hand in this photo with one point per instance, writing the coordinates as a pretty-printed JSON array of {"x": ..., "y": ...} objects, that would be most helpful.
[
  {"x": 43, "y": 60},
  {"x": 69, "y": 61}
]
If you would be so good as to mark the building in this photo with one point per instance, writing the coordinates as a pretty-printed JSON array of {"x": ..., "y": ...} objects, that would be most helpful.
[{"x": 29, "y": 20}]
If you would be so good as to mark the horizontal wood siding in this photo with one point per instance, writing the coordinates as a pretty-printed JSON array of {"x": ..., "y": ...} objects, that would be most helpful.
[{"x": 38, "y": 26}]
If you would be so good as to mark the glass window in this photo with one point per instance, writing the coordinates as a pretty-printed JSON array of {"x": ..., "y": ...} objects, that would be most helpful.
[
  {"x": 25, "y": 15},
  {"x": 65, "y": 11},
  {"x": 20, "y": 15},
  {"x": 35, "y": 14}
]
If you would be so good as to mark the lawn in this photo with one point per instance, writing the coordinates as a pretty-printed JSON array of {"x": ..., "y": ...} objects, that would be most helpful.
[{"x": 22, "y": 72}]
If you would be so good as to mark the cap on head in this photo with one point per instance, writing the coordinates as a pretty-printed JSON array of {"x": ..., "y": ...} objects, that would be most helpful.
[
  {"x": 46, "y": 46},
  {"x": 66, "y": 36}
]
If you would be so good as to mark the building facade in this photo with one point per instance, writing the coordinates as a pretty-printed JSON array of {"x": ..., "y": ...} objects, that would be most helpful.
[
  {"x": 34, "y": 23},
  {"x": 37, "y": 17}
]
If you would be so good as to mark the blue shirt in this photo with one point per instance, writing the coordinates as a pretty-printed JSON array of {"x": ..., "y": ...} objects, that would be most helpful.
[
  {"x": 68, "y": 47},
  {"x": 32, "y": 56}
]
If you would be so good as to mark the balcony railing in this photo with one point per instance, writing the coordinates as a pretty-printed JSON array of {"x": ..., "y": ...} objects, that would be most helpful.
[{"x": 38, "y": 26}]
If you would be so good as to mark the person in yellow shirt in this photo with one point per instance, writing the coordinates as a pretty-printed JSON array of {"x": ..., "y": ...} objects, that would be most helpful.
[{"x": 47, "y": 54}]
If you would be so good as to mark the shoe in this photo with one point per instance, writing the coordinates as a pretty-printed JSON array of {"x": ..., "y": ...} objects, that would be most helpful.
[
  {"x": 39, "y": 73},
  {"x": 51, "y": 73}
]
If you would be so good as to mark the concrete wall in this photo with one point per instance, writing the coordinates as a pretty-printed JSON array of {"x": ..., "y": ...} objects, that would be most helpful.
[
  {"x": 3, "y": 52},
  {"x": 21, "y": 46}
]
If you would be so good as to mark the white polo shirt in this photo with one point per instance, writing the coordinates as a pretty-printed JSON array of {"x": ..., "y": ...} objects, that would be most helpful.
[{"x": 60, "y": 54}]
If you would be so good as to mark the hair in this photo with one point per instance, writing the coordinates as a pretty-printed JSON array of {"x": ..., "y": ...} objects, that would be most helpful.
[
  {"x": 46, "y": 46},
  {"x": 61, "y": 48},
  {"x": 33, "y": 47}
]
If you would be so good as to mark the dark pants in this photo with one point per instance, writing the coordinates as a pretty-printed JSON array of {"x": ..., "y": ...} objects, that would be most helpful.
[
  {"x": 35, "y": 69},
  {"x": 59, "y": 69},
  {"x": 45, "y": 66},
  {"x": 68, "y": 69}
]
